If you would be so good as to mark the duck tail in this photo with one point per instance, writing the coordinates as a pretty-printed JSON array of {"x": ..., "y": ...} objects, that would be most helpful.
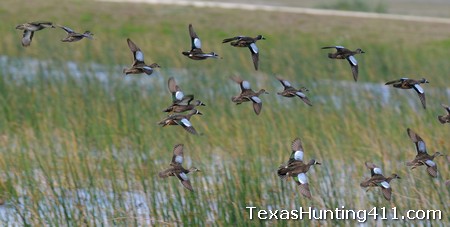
[
  {"x": 364, "y": 184},
  {"x": 442, "y": 119},
  {"x": 409, "y": 164},
  {"x": 164, "y": 174}
]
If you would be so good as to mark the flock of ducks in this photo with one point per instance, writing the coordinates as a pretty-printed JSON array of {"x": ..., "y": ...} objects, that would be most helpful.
[
  {"x": 295, "y": 167},
  {"x": 31, "y": 27}
]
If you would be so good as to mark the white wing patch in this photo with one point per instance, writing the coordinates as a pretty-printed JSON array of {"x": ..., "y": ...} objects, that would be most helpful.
[
  {"x": 147, "y": 68},
  {"x": 353, "y": 60},
  {"x": 421, "y": 146},
  {"x": 385, "y": 184},
  {"x": 256, "y": 99},
  {"x": 197, "y": 43},
  {"x": 254, "y": 48},
  {"x": 298, "y": 155},
  {"x": 186, "y": 122},
  {"x": 179, "y": 95},
  {"x": 68, "y": 30},
  {"x": 302, "y": 178},
  {"x": 300, "y": 94},
  {"x": 286, "y": 83},
  {"x": 245, "y": 84},
  {"x": 139, "y": 55},
  {"x": 339, "y": 47},
  {"x": 179, "y": 159},
  {"x": 430, "y": 163},
  {"x": 184, "y": 176},
  {"x": 419, "y": 88},
  {"x": 377, "y": 170}
]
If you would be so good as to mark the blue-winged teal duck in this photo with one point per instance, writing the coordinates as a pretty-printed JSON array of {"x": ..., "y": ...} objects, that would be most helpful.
[
  {"x": 73, "y": 36},
  {"x": 138, "y": 65},
  {"x": 378, "y": 180},
  {"x": 176, "y": 168},
  {"x": 247, "y": 94},
  {"x": 245, "y": 41},
  {"x": 445, "y": 118},
  {"x": 182, "y": 120},
  {"x": 344, "y": 53},
  {"x": 180, "y": 102},
  {"x": 30, "y": 28},
  {"x": 422, "y": 157},
  {"x": 196, "y": 52},
  {"x": 295, "y": 164},
  {"x": 296, "y": 168},
  {"x": 290, "y": 91},
  {"x": 406, "y": 83}
]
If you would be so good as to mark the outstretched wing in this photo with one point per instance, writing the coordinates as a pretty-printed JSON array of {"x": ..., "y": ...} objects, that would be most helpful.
[
  {"x": 27, "y": 37},
  {"x": 67, "y": 29},
  {"x": 418, "y": 141},
  {"x": 255, "y": 54},
  {"x": 302, "y": 182},
  {"x": 177, "y": 158},
  {"x": 185, "y": 181},
  {"x": 138, "y": 56},
  {"x": 354, "y": 65},
  {"x": 393, "y": 82},
  {"x": 297, "y": 150},
  {"x": 421, "y": 94},
  {"x": 195, "y": 40}
]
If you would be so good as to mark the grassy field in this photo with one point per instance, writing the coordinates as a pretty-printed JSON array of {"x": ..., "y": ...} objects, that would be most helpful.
[{"x": 80, "y": 144}]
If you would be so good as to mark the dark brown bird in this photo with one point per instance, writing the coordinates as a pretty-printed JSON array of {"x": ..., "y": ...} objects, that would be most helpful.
[
  {"x": 196, "y": 52},
  {"x": 378, "y": 180},
  {"x": 296, "y": 168},
  {"x": 247, "y": 94},
  {"x": 245, "y": 41},
  {"x": 138, "y": 65},
  {"x": 180, "y": 102},
  {"x": 422, "y": 157},
  {"x": 406, "y": 83},
  {"x": 344, "y": 53},
  {"x": 73, "y": 36},
  {"x": 176, "y": 168},
  {"x": 290, "y": 91}
]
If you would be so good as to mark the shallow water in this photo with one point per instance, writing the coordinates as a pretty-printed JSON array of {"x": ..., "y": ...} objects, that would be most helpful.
[{"x": 138, "y": 203}]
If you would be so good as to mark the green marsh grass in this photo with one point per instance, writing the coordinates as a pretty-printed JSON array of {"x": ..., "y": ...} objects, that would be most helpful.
[{"x": 82, "y": 146}]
